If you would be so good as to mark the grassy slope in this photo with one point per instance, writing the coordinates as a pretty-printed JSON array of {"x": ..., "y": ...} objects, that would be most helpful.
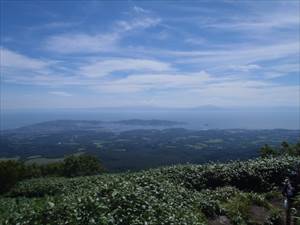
[{"x": 240, "y": 192}]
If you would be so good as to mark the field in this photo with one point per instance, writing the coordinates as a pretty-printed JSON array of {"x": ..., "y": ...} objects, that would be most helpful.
[
  {"x": 240, "y": 192},
  {"x": 137, "y": 149}
]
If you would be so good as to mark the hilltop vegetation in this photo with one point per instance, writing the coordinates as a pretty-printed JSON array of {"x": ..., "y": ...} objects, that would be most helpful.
[
  {"x": 236, "y": 193},
  {"x": 184, "y": 194}
]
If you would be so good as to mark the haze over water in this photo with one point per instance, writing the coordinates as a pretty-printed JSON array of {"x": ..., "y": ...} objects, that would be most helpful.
[{"x": 214, "y": 119}]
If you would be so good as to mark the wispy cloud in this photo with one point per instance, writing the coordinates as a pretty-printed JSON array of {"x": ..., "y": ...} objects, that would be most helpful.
[
  {"x": 187, "y": 91},
  {"x": 99, "y": 42},
  {"x": 151, "y": 82},
  {"x": 106, "y": 67},
  {"x": 138, "y": 9},
  {"x": 260, "y": 23},
  {"x": 281, "y": 70},
  {"x": 195, "y": 41},
  {"x": 253, "y": 17},
  {"x": 11, "y": 59},
  {"x": 179, "y": 56},
  {"x": 137, "y": 24},
  {"x": 248, "y": 53},
  {"x": 81, "y": 43},
  {"x": 244, "y": 68},
  {"x": 60, "y": 93}
]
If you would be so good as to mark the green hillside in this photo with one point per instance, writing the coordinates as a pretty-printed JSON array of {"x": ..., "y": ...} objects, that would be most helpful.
[{"x": 236, "y": 193}]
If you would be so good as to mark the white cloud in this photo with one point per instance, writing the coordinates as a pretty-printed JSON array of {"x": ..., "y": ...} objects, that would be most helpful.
[
  {"x": 11, "y": 59},
  {"x": 252, "y": 19},
  {"x": 229, "y": 94},
  {"x": 78, "y": 43},
  {"x": 244, "y": 68},
  {"x": 171, "y": 89},
  {"x": 157, "y": 82},
  {"x": 262, "y": 22},
  {"x": 60, "y": 93},
  {"x": 138, "y": 23},
  {"x": 100, "y": 42},
  {"x": 240, "y": 73},
  {"x": 138, "y": 9},
  {"x": 106, "y": 67},
  {"x": 195, "y": 41},
  {"x": 238, "y": 56},
  {"x": 247, "y": 93},
  {"x": 282, "y": 69}
]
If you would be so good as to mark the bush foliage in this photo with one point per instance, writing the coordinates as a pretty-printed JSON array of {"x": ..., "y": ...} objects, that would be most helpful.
[
  {"x": 13, "y": 171},
  {"x": 185, "y": 194},
  {"x": 285, "y": 149}
]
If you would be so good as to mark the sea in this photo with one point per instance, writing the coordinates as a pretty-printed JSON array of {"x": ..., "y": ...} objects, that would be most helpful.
[{"x": 194, "y": 119}]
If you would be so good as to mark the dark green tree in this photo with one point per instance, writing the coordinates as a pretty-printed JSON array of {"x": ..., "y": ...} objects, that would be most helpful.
[
  {"x": 53, "y": 169},
  {"x": 31, "y": 171},
  {"x": 289, "y": 149},
  {"x": 267, "y": 151},
  {"x": 81, "y": 166},
  {"x": 11, "y": 172},
  {"x": 297, "y": 148},
  {"x": 285, "y": 147}
]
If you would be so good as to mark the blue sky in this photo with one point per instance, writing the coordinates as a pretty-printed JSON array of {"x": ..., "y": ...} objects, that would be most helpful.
[{"x": 82, "y": 54}]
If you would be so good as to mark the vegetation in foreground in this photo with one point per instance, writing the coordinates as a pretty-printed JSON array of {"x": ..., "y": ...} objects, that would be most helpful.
[
  {"x": 13, "y": 171},
  {"x": 238, "y": 192}
]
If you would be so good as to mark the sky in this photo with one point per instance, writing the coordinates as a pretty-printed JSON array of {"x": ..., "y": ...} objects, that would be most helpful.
[{"x": 172, "y": 54}]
